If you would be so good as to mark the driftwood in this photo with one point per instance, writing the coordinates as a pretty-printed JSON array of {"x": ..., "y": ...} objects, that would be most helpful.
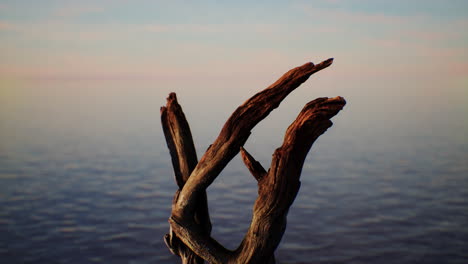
[{"x": 190, "y": 226}]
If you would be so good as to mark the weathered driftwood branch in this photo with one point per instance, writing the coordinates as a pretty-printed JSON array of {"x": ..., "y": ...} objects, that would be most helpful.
[
  {"x": 184, "y": 159},
  {"x": 235, "y": 132},
  {"x": 277, "y": 187}
]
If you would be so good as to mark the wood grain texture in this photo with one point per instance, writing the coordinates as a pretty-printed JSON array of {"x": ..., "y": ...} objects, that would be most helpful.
[
  {"x": 277, "y": 187},
  {"x": 184, "y": 159},
  {"x": 254, "y": 166},
  {"x": 236, "y": 131}
]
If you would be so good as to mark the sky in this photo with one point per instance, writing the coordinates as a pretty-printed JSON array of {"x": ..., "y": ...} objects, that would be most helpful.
[
  {"x": 400, "y": 61},
  {"x": 153, "y": 39},
  {"x": 83, "y": 80},
  {"x": 146, "y": 39}
]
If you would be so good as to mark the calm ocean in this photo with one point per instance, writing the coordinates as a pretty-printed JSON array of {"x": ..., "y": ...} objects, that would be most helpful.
[{"x": 88, "y": 179}]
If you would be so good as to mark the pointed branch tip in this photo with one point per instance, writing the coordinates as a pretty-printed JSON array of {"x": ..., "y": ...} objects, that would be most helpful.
[
  {"x": 172, "y": 97},
  {"x": 326, "y": 63},
  {"x": 254, "y": 166}
]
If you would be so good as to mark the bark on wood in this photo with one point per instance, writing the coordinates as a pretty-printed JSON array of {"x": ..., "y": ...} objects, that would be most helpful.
[{"x": 277, "y": 188}]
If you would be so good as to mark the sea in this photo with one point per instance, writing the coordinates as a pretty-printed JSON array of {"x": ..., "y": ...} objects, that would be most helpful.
[{"x": 86, "y": 177}]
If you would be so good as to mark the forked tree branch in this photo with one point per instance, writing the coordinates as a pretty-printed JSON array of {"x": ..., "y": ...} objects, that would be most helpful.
[
  {"x": 235, "y": 132},
  {"x": 277, "y": 188}
]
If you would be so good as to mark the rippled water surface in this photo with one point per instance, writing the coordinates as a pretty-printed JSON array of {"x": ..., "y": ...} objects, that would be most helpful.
[{"x": 100, "y": 195}]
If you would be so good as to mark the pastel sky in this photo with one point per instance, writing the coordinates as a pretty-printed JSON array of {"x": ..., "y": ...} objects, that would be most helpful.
[
  {"x": 398, "y": 56},
  {"x": 156, "y": 39}
]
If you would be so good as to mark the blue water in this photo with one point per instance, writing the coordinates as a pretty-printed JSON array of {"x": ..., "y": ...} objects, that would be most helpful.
[{"x": 100, "y": 190}]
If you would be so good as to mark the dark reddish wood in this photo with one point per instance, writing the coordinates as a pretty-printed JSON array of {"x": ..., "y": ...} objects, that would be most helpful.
[
  {"x": 184, "y": 159},
  {"x": 277, "y": 188},
  {"x": 254, "y": 166},
  {"x": 236, "y": 131}
]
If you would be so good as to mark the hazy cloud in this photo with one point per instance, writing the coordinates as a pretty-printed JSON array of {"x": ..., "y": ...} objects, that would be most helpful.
[
  {"x": 75, "y": 11},
  {"x": 6, "y": 26},
  {"x": 210, "y": 28}
]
